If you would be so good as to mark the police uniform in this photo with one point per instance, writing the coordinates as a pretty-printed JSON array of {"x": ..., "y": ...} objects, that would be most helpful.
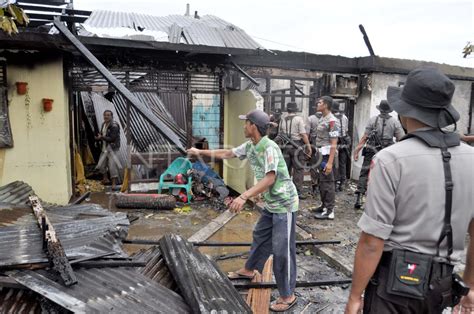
[
  {"x": 387, "y": 127},
  {"x": 293, "y": 125},
  {"x": 311, "y": 128},
  {"x": 343, "y": 149},
  {"x": 326, "y": 131},
  {"x": 405, "y": 207},
  {"x": 419, "y": 201}
]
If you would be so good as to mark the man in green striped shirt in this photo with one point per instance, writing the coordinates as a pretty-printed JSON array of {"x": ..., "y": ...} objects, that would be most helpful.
[{"x": 275, "y": 230}]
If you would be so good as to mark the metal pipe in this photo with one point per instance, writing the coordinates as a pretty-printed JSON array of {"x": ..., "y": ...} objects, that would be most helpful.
[
  {"x": 224, "y": 244},
  {"x": 299, "y": 284}
]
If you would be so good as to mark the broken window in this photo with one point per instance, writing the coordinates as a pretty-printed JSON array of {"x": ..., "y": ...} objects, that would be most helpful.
[{"x": 6, "y": 139}]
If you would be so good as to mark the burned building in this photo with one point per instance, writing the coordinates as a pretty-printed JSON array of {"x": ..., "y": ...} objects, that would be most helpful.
[{"x": 189, "y": 76}]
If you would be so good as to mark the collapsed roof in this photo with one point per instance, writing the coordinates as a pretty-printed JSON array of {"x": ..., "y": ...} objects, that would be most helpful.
[{"x": 207, "y": 30}]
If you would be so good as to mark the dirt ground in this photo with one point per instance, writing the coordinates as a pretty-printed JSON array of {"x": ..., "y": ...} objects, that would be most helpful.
[
  {"x": 150, "y": 224},
  {"x": 343, "y": 227}
]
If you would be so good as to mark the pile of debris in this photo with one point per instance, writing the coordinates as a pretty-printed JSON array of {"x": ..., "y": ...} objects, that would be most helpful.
[{"x": 71, "y": 258}]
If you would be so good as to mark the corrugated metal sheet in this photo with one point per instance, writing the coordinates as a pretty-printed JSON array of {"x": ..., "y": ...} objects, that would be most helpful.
[
  {"x": 22, "y": 244},
  {"x": 155, "y": 268},
  {"x": 145, "y": 137},
  {"x": 16, "y": 192},
  {"x": 105, "y": 290},
  {"x": 19, "y": 301},
  {"x": 204, "y": 287},
  {"x": 207, "y": 30},
  {"x": 176, "y": 104}
]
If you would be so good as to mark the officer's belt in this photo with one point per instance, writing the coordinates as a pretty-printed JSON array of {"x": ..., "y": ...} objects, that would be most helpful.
[{"x": 437, "y": 267}]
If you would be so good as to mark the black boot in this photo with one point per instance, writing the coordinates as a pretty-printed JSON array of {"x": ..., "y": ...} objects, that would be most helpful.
[
  {"x": 358, "y": 203},
  {"x": 341, "y": 186}
]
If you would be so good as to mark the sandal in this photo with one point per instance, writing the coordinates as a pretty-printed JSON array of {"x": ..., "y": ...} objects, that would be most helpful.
[
  {"x": 235, "y": 275},
  {"x": 289, "y": 305}
]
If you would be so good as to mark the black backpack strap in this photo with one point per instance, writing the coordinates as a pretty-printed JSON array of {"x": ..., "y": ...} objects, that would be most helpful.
[
  {"x": 447, "y": 231},
  {"x": 383, "y": 128},
  {"x": 435, "y": 138}
]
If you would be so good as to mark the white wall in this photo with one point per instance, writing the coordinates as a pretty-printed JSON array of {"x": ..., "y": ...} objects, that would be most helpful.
[
  {"x": 40, "y": 155},
  {"x": 376, "y": 90}
]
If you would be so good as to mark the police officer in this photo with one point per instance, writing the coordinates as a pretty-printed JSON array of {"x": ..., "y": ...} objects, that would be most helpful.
[
  {"x": 343, "y": 147},
  {"x": 311, "y": 128},
  {"x": 326, "y": 143},
  {"x": 379, "y": 134},
  {"x": 294, "y": 127},
  {"x": 419, "y": 209},
  {"x": 275, "y": 118}
]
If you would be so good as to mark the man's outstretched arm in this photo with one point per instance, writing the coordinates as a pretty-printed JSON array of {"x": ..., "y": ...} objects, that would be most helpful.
[{"x": 214, "y": 153}]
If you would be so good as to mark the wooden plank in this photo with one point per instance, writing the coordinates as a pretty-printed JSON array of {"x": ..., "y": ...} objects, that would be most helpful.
[
  {"x": 212, "y": 227},
  {"x": 265, "y": 294}
]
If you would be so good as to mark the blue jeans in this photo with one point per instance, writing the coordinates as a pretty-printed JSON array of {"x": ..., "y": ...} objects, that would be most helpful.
[{"x": 275, "y": 234}]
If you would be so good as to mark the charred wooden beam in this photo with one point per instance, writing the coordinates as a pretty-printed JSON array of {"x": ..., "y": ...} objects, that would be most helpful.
[
  {"x": 366, "y": 40},
  {"x": 52, "y": 245},
  {"x": 242, "y": 71}
]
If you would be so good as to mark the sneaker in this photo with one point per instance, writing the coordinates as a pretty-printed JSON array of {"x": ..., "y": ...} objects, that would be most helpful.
[
  {"x": 326, "y": 214},
  {"x": 320, "y": 209}
]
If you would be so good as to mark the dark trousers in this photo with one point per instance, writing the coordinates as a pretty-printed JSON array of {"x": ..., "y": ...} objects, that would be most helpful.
[
  {"x": 327, "y": 189},
  {"x": 295, "y": 162},
  {"x": 276, "y": 234},
  {"x": 343, "y": 157},
  {"x": 378, "y": 300},
  {"x": 364, "y": 173},
  {"x": 314, "y": 164}
]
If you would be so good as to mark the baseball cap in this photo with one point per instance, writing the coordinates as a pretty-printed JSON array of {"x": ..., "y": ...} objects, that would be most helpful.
[{"x": 257, "y": 117}]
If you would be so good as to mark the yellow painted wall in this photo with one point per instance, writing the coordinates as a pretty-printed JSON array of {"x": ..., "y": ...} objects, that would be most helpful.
[
  {"x": 237, "y": 173},
  {"x": 40, "y": 155}
]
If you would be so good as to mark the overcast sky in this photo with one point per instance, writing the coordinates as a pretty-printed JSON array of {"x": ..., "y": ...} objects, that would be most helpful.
[{"x": 435, "y": 30}]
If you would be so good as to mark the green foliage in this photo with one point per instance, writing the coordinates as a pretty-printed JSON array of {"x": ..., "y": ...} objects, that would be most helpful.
[{"x": 10, "y": 17}]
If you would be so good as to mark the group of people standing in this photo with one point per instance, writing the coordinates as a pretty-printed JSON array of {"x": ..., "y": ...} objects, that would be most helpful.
[
  {"x": 323, "y": 146},
  {"x": 419, "y": 202}
]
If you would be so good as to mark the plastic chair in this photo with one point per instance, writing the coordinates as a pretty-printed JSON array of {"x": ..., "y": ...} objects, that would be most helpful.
[{"x": 179, "y": 165}]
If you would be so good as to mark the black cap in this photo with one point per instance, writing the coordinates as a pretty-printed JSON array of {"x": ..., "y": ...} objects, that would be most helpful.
[
  {"x": 291, "y": 107},
  {"x": 426, "y": 96},
  {"x": 384, "y": 107},
  {"x": 257, "y": 117}
]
